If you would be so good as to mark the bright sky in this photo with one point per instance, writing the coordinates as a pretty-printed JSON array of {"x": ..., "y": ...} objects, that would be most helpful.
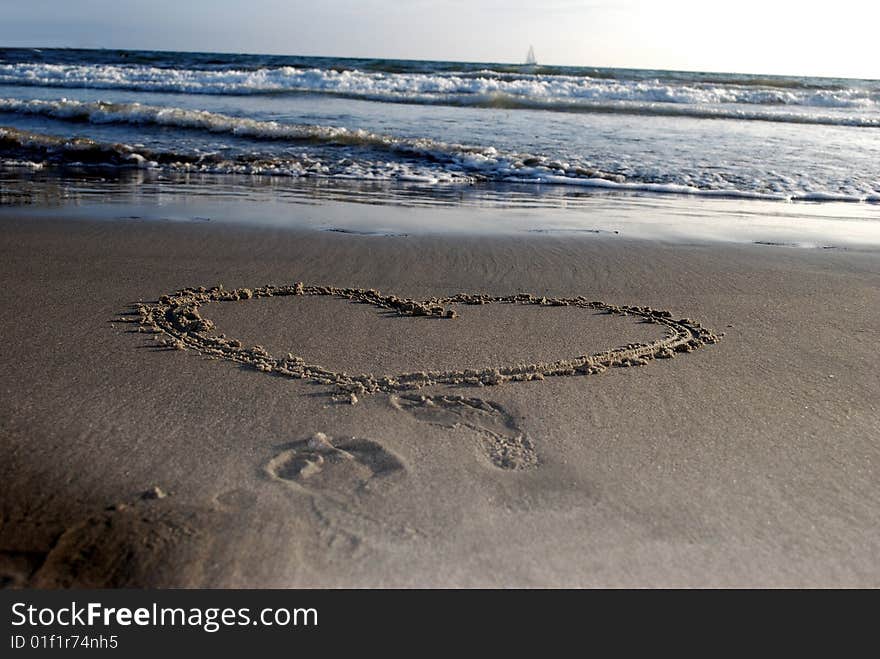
[{"x": 804, "y": 37}]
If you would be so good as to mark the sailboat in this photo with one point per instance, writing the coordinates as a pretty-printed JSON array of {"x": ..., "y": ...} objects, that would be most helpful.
[{"x": 530, "y": 58}]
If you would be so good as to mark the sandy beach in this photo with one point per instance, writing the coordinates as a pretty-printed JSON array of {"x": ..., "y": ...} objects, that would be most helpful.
[{"x": 750, "y": 461}]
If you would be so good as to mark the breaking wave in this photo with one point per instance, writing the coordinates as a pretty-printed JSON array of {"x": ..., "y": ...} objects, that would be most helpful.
[
  {"x": 766, "y": 99},
  {"x": 459, "y": 161},
  {"x": 36, "y": 151}
]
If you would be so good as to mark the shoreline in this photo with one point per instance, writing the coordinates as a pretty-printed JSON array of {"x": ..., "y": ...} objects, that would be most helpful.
[
  {"x": 746, "y": 463},
  {"x": 398, "y": 212}
]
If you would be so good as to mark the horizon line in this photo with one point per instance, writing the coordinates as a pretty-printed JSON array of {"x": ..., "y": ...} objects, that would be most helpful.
[{"x": 451, "y": 61}]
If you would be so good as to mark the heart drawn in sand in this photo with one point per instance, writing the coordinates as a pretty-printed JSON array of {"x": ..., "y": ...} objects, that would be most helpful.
[{"x": 178, "y": 321}]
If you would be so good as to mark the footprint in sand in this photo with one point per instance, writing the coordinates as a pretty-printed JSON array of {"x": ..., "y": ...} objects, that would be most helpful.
[
  {"x": 334, "y": 467},
  {"x": 336, "y": 473},
  {"x": 505, "y": 445}
]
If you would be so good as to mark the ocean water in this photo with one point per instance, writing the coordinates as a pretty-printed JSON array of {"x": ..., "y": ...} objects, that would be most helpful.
[{"x": 84, "y": 124}]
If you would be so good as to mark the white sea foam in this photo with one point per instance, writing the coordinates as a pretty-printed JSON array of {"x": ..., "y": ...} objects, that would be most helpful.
[
  {"x": 366, "y": 155},
  {"x": 724, "y": 193},
  {"x": 490, "y": 89},
  {"x": 467, "y": 160}
]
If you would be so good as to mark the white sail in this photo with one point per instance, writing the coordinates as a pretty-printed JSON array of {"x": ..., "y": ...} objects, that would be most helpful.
[{"x": 530, "y": 58}]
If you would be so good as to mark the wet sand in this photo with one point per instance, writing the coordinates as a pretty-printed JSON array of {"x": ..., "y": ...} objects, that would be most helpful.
[{"x": 546, "y": 438}]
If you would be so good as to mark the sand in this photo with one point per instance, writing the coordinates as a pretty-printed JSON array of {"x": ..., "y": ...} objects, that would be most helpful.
[{"x": 360, "y": 411}]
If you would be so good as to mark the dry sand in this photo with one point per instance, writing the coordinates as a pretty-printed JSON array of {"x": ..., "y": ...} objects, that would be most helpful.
[{"x": 750, "y": 461}]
